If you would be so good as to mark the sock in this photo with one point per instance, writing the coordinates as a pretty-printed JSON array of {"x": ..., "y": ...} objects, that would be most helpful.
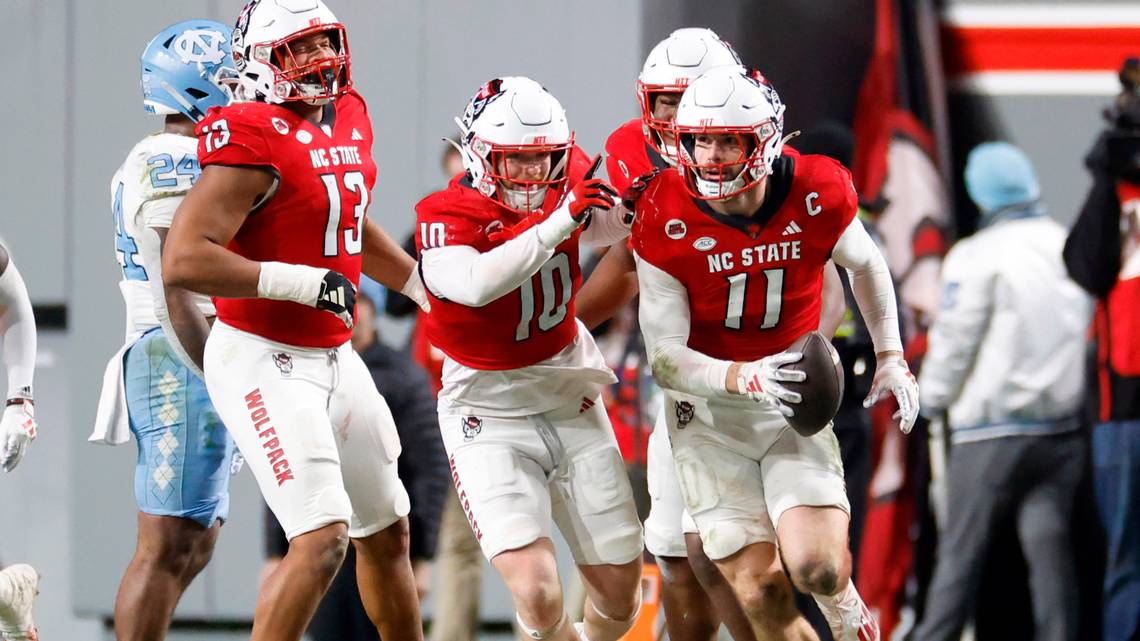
[{"x": 847, "y": 615}]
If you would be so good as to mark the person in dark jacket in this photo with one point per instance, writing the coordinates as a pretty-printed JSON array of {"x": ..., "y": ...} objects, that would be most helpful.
[
  {"x": 422, "y": 466},
  {"x": 1102, "y": 254}
]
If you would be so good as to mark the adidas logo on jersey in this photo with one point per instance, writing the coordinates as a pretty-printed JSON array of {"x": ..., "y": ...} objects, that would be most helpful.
[
  {"x": 356, "y": 134},
  {"x": 791, "y": 229}
]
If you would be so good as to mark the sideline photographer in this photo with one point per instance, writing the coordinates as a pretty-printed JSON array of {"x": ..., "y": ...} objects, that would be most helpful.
[{"x": 1102, "y": 256}]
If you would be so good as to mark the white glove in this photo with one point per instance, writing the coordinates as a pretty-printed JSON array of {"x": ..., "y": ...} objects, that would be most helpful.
[
  {"x": 892, "y": 375},
  {"x": 414, "y": 289},
  {"x": 760, "y": 380},
  {"x": 17, "y": 431},
  {"x": 236, "y": 463}
]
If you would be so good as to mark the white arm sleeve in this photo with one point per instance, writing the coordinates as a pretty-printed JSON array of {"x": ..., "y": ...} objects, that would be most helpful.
[
  {"x": 159, "y": 212},
  {"x": 871, "y": 284},
  {"x": 466, "y": 276},
  {"x": 148, "y": 244},
  {"x": 663, "y": 311},
  {"x": 17, "y": 331},
  {"x": 606, "y": 228}
]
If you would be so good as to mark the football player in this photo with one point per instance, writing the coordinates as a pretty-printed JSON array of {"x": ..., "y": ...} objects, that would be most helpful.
[
  {"x": 19, "y": 584},
  {"x": 275, "y": 229},
  {"x": 520, "y": 412},
  {"x": 730, "y": 254},
  {"x": 151, "y": 388},
  {"x": 637, "y": 148}
]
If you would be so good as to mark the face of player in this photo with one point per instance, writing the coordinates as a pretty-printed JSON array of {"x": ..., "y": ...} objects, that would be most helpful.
[
  {"x": 665, "y": 109},
  {"x": 727, "y": 151},
  {"x": 309, "y": 49},
  {"x": 524, "y": 166}
]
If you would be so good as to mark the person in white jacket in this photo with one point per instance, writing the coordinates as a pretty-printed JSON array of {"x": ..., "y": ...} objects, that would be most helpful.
[{"x": 1005, "y": 367}]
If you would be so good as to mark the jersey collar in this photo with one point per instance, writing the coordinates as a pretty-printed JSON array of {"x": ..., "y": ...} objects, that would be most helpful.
[{"x": 779, "y": 186}]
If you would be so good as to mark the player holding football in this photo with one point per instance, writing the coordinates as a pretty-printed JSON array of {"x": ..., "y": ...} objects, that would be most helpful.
[
  {"x": 636, "y": 148},
  {"x": 19, "y": 583},
  {"x": 151, "y": 387},
  {"x": 730, "y": 253},
  {"x": 275, "y": 230},
  {"x": 520, "y": 411}
]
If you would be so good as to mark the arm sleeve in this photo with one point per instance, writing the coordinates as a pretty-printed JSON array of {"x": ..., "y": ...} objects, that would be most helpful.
[
  {"x": 17, "y": 331},
  {"x": 663, "y": 311},
  {"x": 148, "y": 244},
  {"x": 871, "y": 284},
  {"x": 605, "y": 228},
  {"x": 967, "y": 300},
  {"x": 424, "y": 467}
]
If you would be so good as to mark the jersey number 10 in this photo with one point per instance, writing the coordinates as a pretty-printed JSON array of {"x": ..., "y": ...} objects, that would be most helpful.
[{"x": 552, "y": 314}]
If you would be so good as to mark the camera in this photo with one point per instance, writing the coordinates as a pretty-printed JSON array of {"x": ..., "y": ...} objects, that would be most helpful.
[{"x": 1123, "y": 138}]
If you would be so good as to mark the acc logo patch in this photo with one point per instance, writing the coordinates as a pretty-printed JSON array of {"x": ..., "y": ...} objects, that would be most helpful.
[
  {"x": 472, "y": 425},
  {"x": 284, "y": 363},
  {"x": 704, "y": 243},
  {"x": 304, "y": 137},
  {"x": 280, "y": 125},
  {"x": 675, "y": 229},
  {"x": 684, "y": 411}
]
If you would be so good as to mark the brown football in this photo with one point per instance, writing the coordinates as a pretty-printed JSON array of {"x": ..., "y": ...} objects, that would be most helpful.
[{"x": 822, "y": 390}]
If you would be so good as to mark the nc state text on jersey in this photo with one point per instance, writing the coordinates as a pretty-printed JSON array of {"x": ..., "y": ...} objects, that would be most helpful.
[
  {"x": 335, "y": 156},
  {"x": 760, "y": 254}
]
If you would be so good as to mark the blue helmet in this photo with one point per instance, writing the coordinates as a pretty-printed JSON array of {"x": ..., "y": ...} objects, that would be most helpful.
[{"x": 185, "y": 69}]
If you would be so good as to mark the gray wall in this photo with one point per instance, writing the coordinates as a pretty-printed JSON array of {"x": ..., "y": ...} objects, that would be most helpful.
[{"x": 79, "y": 113}]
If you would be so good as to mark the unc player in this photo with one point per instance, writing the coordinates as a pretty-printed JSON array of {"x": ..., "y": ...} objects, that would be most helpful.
[
  {"x": 151, "y": 388},
  {"x": 19, "y": 583}
]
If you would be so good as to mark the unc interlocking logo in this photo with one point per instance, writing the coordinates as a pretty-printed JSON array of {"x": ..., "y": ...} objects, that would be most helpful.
[{"x": 200, "y": 46}]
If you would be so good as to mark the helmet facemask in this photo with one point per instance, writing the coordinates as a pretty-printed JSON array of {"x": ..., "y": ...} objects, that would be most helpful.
[
  {"x": 727, "y": 178},
  {"x": 658, "y": 131},
  {"x": 316, "y": 82},
  {"x": 521, "y": 194}
]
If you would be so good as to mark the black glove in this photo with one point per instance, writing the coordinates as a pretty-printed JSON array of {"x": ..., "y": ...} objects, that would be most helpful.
[{"x": 338, "y": 296}]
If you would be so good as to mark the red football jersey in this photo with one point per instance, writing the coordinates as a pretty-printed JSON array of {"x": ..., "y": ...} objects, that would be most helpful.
[
  {"x": 753, "y": 283},
  {"x": 324, "y": 189},
  {"x": 527, "y": 325},
  {"x": 628, "y": 156}
]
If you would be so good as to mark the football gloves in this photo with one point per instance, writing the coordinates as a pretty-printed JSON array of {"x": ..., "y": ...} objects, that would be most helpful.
[
  {"x": 761, "y": 379},
  {"x": 338, "y": 297},
  {"x": 892, "y": 375},
  {"x": 591, "y": 193},
  {"x": 17, "y": 431}
]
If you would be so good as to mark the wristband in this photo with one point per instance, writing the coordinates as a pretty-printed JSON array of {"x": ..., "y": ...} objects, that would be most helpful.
[{"x": 286, "y": 281}]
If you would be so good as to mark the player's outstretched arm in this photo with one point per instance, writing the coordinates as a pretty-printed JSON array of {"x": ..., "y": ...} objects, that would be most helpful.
[
  {"x": 210, "y": 215},
  {"x": 875, "y": 295},
  {"x": 612, "y": 284},
  {"x": 18, "y": 336},
  {"x": 388, "y": 264}
]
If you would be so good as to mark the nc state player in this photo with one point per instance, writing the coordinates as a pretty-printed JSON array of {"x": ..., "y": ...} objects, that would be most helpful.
[
  {"x": 636, "y": 148},
  {"x": 519, "y": 410},
  {"x": 730, "y": 254},
  {"x": 275, "y": 230}
]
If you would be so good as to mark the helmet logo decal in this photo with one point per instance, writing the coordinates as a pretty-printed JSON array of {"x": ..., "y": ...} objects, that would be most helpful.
[
  {"x": 485, "y": 96},
  {"x": 200, "y": 45}
]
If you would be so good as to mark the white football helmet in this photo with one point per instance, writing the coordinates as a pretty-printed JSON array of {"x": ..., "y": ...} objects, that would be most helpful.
[
  {"x": 266, "y": 68},
  {"x": 670, "y": 67},
  {"x": 729, "y": 101},
  {"x": 511, "y": 115}
]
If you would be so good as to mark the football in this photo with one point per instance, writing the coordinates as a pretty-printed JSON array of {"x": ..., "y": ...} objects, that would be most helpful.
[{"x": 822, "y": 390}]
